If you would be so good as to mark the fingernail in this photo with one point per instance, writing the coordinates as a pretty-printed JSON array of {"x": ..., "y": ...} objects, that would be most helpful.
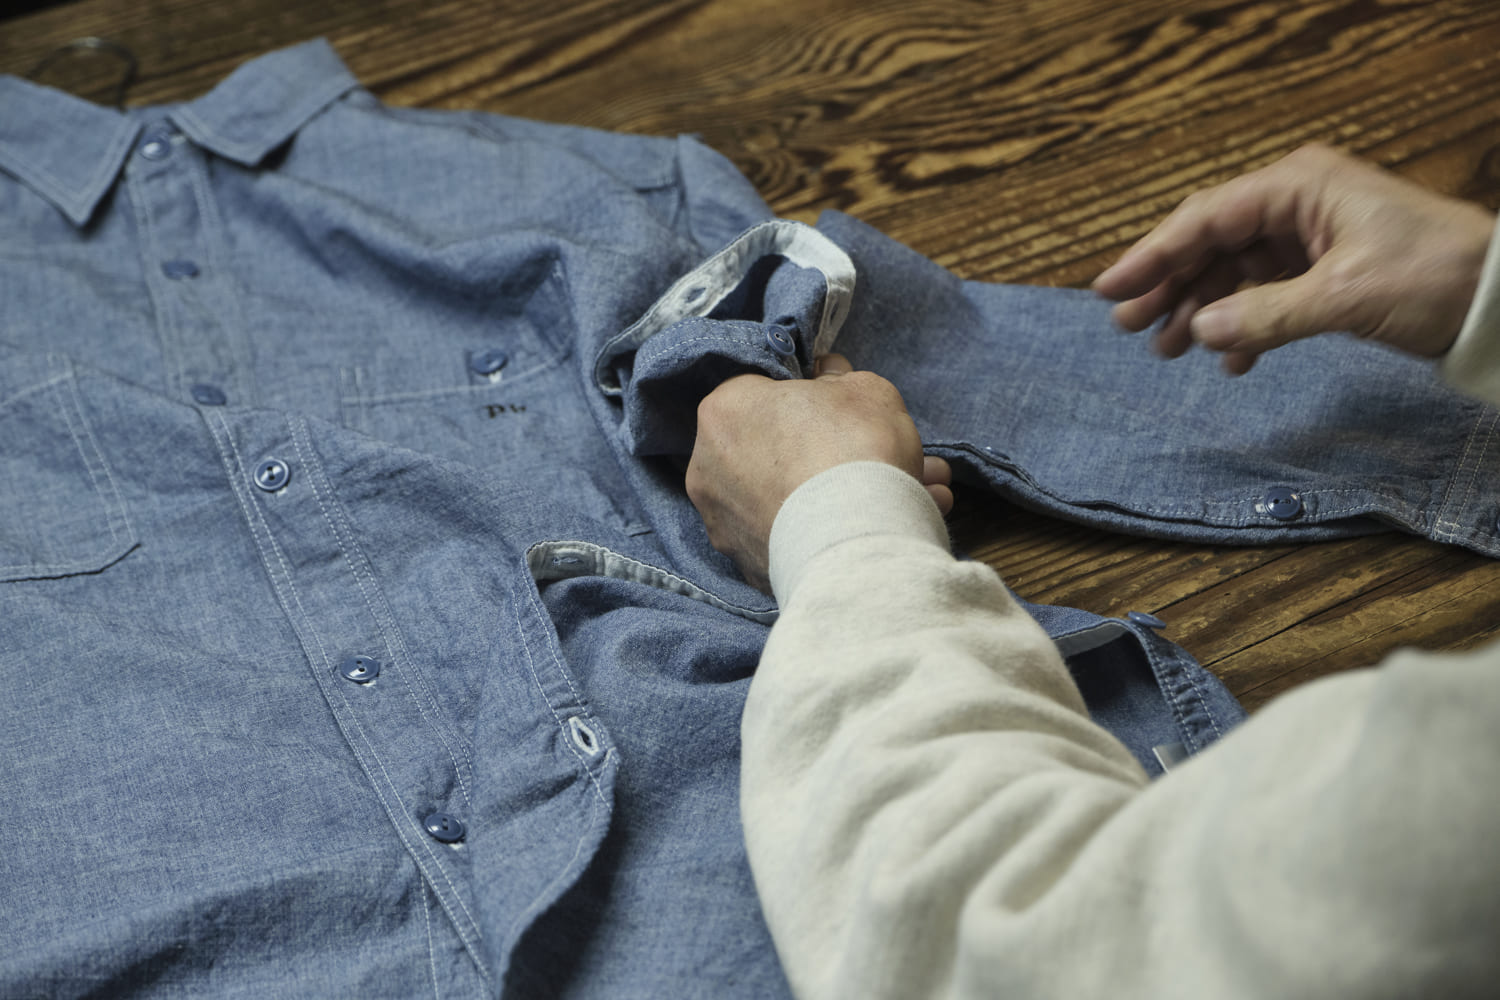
[{"x": 1216, "y": 328}]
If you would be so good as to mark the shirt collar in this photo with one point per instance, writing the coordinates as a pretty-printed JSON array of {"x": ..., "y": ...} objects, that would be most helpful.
[{"x": 70, "y": 151}]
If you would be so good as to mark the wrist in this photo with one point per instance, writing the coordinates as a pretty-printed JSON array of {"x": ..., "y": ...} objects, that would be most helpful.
[{"x": 852, "y": 500}]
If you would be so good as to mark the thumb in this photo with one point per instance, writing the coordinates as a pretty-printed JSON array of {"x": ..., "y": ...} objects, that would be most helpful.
[{"x": 1260, "y": 318}]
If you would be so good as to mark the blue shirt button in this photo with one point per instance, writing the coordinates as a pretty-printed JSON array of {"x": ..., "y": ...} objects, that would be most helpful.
[
  {"x": 175, "y": 269},
  {"x": 272, "y": 474},
  {"x": 156, "y": 146},
  {"x": 443, "y": 828},
  {"x": 1283, "y": 503},
  {"x": 360, "y": 669},
  {"x": 779, "y": 339},
  {"x": 208, "y": 395},
  {"x": 488, "y": 362},
  {"x": 1148, "y": 620}
]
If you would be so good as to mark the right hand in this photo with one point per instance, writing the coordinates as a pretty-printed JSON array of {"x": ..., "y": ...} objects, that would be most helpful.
[
  {"x": 759, "y": 439},
  {"x": 1337, "y": 243}
]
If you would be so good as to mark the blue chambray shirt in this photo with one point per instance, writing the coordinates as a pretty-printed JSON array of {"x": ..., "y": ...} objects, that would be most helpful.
[{"x": 356, "y": 636}]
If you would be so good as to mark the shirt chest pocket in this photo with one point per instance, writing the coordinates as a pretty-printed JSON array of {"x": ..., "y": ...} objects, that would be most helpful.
[
  {"x": 447, "y": 381},
  {"x": 61, "y": 512},
  {"x": 484, "y": 383}
]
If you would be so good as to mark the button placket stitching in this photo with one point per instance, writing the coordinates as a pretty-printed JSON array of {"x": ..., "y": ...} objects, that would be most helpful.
[
  {"x": 186, "y": 358},
  {"x": 231, "y": 317},
  {"x": 532, "y": 602},
  {"x": 391, "y": 635},
  {"x": 431, "y": 947},
  {"x": 167, "y": 333},
  {"x": 284, "y": 586}
]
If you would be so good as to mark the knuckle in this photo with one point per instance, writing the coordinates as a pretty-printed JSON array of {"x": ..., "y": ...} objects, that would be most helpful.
[
  {"x": 875, "y": 387},
  {"x": 719, "y": 404},
  {"x": 1199, "y": 195},
  {"x": 1316, "y": 158},
  {"x": 1313, "y": 152},
  {"x": 729, "y": 393},
  {"x": 708, "y": 406},
  {"x": 1194, "y": 202}
]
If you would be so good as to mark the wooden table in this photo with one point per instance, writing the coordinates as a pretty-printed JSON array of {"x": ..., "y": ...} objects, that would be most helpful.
[{"x": 1021, "y": 141}]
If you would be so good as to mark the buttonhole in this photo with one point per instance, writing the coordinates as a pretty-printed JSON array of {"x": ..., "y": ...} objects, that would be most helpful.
[
  {"x": 583, "y": 736},
  {"x": 694, "y": 294}
]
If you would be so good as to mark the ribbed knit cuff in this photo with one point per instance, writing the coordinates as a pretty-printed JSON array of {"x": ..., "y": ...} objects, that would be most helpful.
[{"x": 849, "y": 501}]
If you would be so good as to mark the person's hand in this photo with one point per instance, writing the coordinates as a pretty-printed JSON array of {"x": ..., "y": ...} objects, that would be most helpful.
[
  {"x": 759, "y": 439},
  {"x": 1337, "y": 245}
]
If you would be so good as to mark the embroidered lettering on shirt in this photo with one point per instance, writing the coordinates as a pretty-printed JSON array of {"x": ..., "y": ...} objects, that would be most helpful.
[{"x": 493, "y": 410}]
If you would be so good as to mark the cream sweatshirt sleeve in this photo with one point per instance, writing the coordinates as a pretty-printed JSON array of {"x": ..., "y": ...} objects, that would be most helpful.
[{"x": 930, "y": 813}]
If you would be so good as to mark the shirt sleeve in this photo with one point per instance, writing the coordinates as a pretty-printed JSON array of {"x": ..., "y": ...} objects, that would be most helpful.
[{"x": 930, "y": 813}]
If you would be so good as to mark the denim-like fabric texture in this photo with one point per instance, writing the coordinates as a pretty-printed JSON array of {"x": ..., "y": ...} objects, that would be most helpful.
[
  {"x": 473, "y": 347},
  {"x": 1077, "y": 421}
]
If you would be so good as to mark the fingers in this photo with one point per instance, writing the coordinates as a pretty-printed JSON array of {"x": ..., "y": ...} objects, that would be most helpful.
[
  {"x": 1179, "y": 299},
  {"x": 1273, "y": 227},
  {"x": 1253, "y": 227},
  {"x": 935, "y": 471},
  {"x": 1238, "y": 362},
  {"x": 832, "y": 364},
  {"x": 758, "y": 440},
  {"x": 1175, "y": 335},
  {"x": 1258, "y": 319},
  {"x": 1226, "y": 219},
  {"x": 937, "y": 476},
  {"x": 943, "y": 497}
]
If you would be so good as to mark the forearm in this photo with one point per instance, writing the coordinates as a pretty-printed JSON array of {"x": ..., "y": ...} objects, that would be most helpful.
[
  {"x": 929, "y": 811},
  {"x": 891, "y": 758}
]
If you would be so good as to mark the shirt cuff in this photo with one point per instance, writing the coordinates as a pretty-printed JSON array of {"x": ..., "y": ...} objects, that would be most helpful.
[
  {"x": 1473, "y": 363},
  {"x": 854, "y": 500}
]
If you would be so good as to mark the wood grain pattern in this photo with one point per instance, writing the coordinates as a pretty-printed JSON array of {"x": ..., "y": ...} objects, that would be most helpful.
[{"x": 1026, "y": 141}]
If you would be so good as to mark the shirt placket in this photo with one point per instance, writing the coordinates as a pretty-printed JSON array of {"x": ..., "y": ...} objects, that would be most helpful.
[
  {"x": 376, "y": 688},
  {"x": 184, "y": 263}
]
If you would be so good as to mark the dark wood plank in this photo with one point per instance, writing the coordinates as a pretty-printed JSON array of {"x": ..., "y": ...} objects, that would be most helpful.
[{"x": 1026, "y": 141}]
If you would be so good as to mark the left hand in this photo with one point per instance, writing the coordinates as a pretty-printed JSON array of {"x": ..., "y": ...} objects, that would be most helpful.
[
  {"x": 1327, "y": 241},
  {"x": 759, "y": 439}
]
